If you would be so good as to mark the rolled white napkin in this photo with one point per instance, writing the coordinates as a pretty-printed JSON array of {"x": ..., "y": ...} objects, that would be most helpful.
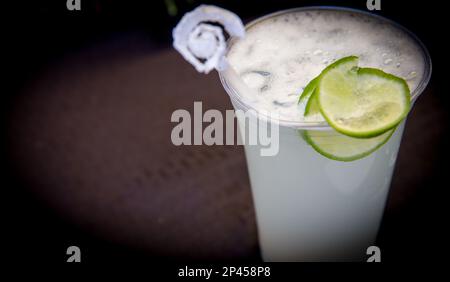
[{"x": 203, "y": 44}]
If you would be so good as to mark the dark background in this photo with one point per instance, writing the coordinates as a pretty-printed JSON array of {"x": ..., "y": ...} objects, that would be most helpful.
[{"x": 43, "y": 34}]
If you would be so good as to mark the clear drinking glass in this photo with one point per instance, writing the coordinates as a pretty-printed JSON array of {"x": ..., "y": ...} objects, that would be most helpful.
[{"x": 311, "y": 208}]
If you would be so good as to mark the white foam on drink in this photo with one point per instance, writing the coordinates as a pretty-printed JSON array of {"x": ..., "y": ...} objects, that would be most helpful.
[{"x": 281, "y": 54}]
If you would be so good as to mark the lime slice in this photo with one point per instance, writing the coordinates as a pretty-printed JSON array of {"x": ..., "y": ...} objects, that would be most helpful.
[
  {"x": 309, "y": 94},
  {"x": 308, "y": 91},
  {"x": 330, "y": 143},
  {"x": 312, "y": 110},
  {"x": 339, "y": 147},
  {"x": 361, "y": 102},
  {"x": 312, "y": 106}
]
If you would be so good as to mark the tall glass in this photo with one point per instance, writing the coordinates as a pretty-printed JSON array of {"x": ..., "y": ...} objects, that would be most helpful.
[{"x": 309, "y": 207}]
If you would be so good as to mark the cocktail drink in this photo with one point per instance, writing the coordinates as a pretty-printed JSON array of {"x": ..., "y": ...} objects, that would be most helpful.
[{"x": 310, "y": 205}]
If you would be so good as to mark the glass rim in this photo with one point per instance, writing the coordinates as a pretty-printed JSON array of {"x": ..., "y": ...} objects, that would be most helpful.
[{"x": 323, "y": 125}]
